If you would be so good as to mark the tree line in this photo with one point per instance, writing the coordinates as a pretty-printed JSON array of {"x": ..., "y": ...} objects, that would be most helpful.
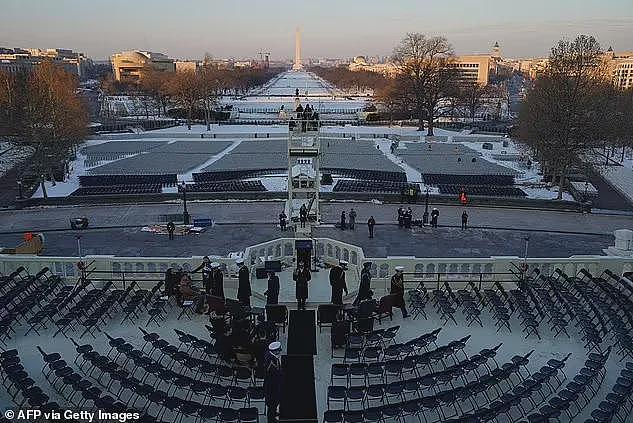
[
  {"x": 42, "y": 109},
  {"x": 195, "y": 92},
  {"x": 345, "y": 79},
  {"x": 573, "y": 113}
]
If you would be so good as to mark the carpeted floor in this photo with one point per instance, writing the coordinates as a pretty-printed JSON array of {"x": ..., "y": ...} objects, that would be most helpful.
[{"x": 302, "y": 333}]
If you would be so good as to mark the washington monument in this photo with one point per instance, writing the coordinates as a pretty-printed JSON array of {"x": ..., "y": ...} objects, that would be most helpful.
[{"x": 297, "y": 65}]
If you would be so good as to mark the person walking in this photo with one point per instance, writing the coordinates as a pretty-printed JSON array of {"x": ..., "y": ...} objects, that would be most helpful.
[
  {"x": 364, "y": 288},
  {"x": 435, "y": 213},
  {"x": 170, "y": 229},
  {"x": 217, "y": 280},
  {"x": 272, "y": 293},
  {"x": 397, "y": 290},
  {"x": 337, "y": 282},
  {"x": 244, "y": 283},
  {"x": 352, "y": 219},
  {"x": 301, "y": 276},
  {"x": 343, "y": 220},
  {"x": 464, "y": 220},
  {"x": 282, "y": 220},
  {"x": 370, "y": 225},
  {"x": 400, "y": 217},
  {"x": 272, "y": 380}
]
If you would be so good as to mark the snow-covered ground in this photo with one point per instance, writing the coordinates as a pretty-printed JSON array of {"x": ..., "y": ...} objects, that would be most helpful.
[{"x": 12, "y": 154}]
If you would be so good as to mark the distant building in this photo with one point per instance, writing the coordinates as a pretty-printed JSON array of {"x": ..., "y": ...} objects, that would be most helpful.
[
  {"x": 15, "y": 60},
  {"x": 187, "y": 65},
  {"x": 620, "y": 67},
  {"x": 129, "y": 66}
]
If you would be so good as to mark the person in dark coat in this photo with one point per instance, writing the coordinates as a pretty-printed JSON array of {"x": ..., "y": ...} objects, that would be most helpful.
[
  {"x": 244, "y": 284},
  {"x": 170, "y": 230},
  {"x": 272, "y": 380},
  {"x": 206, "y": 269},
  {"x": 337, "y": 282},
  {"x": 400, "y": 216},
  {"x": 364, "y": 288},
  {"x": 464, "y": 220},
  {"x": 301, "y": 276},
  {"x": 217, "y": 281},
  {"x": 371, "y": 222},
  {"x": 397, "y": 290},
  {"x": 343, "y": 224},
  {"x": 272, "y": 293},
  {"x": 303, "y": 215},
  {"x": 435, "y": 213},
  {"x": 282, "y": 220},
  {"x": 352, "y": 218},
  {"x": 408, "y": 217}
]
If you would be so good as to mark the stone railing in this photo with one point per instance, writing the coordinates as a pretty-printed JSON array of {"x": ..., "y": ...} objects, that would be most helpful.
[{"x": 457, "y": 271}]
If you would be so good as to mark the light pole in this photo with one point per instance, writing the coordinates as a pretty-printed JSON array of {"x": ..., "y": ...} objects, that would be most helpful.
[
  {"x": 425, "y": 216},
  {"x": 185, "y": 213}
]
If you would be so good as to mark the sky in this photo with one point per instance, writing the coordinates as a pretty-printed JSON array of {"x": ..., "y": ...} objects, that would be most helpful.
[{"x": 330, "y": 28}]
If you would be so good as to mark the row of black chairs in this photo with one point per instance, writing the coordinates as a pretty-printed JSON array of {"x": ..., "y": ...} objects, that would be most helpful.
[
  {"x": 118, "y": 189},
  {"x": 230, "y": 175},
  {"x": 618, "y": 403},
  {"x": 226, "y": 186},
  {"x": 347, "y": 185},
  {"x": 489, "y": 191},
  {"x": 166, "y": 179},
  {"x": 461, "y": 180},
  {"x": 368, "y": 174}
]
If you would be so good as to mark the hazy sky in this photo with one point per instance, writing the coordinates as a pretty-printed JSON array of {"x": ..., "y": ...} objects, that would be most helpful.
[{"x": 331, "y": 28}]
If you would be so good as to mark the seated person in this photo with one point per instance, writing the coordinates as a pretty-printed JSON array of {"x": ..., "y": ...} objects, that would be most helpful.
[
  {"x": 186, "y": 290},
  {"x": 367, "y": 308},
  {"x": 265, "y": 331}
]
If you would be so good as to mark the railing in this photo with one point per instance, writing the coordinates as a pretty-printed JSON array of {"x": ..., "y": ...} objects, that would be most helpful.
[{"x": 456, "y": 271}]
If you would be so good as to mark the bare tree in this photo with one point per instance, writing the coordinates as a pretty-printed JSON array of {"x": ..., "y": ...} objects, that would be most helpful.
[
  {"x": 56, "y": 117},
  {"x": 211, "y": 83},
  {"x": 185, "y": 87},
  {"x": 156, "y": 85},
  {"x": 424, "y": 64},
  {"x": 563, "y": 116},
  {"x": 471, "y": 97}
]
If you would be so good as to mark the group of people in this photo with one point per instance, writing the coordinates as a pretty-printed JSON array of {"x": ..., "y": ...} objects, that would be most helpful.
[
  {"x": 405, "y": 217},
  {"x": 348, "y": 221},
  {"x": 306, "y": 117},
  {"x": 179, "y": 283}
]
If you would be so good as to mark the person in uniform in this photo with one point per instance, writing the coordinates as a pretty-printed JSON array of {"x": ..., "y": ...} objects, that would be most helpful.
[
  {"x": 408, "y": 217},
  {"x": 464, "y": 220},
  {"x": 352, "y": 218},
  {"x": 272, "y": 380},
  {"x": 397, "y": 290},
  {"x": 400, "y": 216},
  {"x": 170, "y": 229},
  {"x": 272, "y": 293},
  {"x": 435, "y": 213},
  {"x": 371, "y": 222},
  {"x": 343, "y": 224},
  {"x": 217, "y": 280},
  {"x": 282, "y": 220},
  {"x": 206, "y": 269},
  {"x": 364, "y": 288},
  {"x": 303, "y": 215},
  {"x": 337, "y": 282},
  {"x": 244, "y": 283},
  {"x": 301, "y": 276}
]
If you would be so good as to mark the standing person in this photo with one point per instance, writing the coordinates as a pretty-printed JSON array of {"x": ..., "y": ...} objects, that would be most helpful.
[
  {"x": 464, "y": 220},
  {"x": 337, "y": 282},
  {"x": 272, "y": 380},
  {"x": 435, "y": 213},
  {"x": 397, "y": 290},
  {"x": 303, "y": 215},
  {"x": 282, "y": 220},
  {"x": 408, "y": 217},
  {"x": 352, "y": 218},
  {"x": 170, "y": 229},
  {"x": 217, "y": 280},
  {"x": 205, "y": 266},
  {"x": 370, "y": 225},
  {"x": 343, "y": 220},
  {"x": 364, "y": 288},
  {"x": 244, "y": 283},
  {"x": 400, "y": 217},
  {"x": 272, "y": 293},
  {"x": 301, "y": 276}
]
